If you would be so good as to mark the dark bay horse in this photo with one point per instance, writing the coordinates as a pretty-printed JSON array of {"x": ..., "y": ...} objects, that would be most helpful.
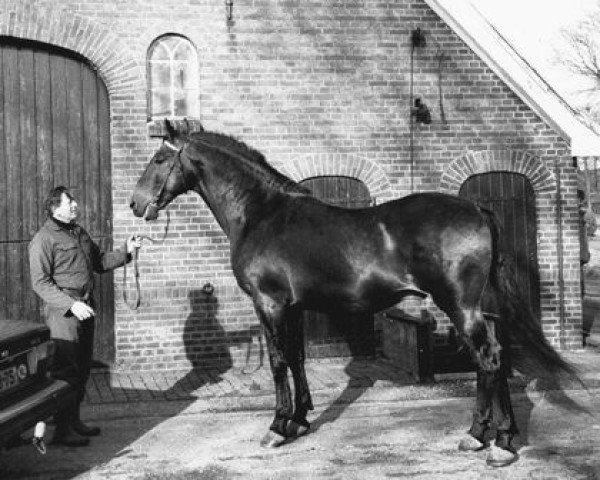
[{"x": 290, "y": 252}]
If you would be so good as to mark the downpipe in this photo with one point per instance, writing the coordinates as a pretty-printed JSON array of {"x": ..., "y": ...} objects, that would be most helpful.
[{"x": 561, "y": 277}]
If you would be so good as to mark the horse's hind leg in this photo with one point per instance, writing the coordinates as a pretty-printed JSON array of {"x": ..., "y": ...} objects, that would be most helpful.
[
  {"x": 296, "y": 356},
  {"x": 475, "y": 332},
  {"x": 493, "y": 406},
  {"x": 275, "y": 330}
]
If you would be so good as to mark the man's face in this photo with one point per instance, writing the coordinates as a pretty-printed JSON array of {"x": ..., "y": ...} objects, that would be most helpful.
[{"x": 67, "y": 210}]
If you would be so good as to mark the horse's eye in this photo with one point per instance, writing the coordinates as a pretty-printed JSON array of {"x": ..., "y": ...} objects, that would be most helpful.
[{"x": 159, "y": 158}]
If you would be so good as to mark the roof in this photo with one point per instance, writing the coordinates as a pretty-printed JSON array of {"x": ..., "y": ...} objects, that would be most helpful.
[{"x": 487, "y": 42}]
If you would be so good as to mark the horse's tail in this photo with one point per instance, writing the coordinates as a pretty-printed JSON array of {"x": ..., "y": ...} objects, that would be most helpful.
[{"x": 533, "y": 355}]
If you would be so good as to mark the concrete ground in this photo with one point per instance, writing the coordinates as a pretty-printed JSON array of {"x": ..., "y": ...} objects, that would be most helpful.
[{"x": 370, "y": 422}]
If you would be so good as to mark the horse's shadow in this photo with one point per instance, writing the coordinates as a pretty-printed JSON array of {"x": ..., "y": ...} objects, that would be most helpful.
[{"x": 363, "y": 371}]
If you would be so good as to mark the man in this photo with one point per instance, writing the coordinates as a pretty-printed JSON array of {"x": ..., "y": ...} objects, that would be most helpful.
[{"x": 63, "y": 259}]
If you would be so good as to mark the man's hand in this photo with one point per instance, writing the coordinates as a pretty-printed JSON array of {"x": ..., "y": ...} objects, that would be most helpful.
[
  {"x": 133, "y": 242},
  {"x": 82, "y": 310}
]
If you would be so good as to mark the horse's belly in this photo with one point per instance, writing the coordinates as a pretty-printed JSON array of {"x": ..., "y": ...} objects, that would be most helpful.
[{"x": 365, "y": 293}]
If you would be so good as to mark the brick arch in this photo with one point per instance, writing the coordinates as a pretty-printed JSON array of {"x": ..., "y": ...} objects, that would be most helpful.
[
  {"x": 51, "y": 25},
  {"x": 517, "y": 161},
  {"x": 318, "y": 165}
]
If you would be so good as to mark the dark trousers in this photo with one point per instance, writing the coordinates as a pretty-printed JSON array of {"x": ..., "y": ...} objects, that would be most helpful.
[
  {"x": 73, "y": 359},
  {"x": 493, "y": 407}
]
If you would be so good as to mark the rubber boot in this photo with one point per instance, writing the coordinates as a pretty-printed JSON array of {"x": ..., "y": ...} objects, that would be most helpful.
[{"x": 64, "y": 433}]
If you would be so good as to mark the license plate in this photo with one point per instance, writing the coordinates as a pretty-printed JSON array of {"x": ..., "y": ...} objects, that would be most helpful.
[{"x": 11, "y": 376}]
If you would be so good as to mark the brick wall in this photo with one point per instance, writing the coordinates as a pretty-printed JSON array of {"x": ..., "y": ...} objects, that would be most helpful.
[{"x": 319, "y": 87}]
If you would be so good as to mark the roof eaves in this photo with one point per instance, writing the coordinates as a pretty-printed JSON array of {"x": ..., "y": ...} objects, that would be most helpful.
[{"x": 474, "y": 29}]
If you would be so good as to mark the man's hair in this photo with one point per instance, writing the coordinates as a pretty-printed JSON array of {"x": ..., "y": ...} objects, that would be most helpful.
[{"x": 54, "y": 198}]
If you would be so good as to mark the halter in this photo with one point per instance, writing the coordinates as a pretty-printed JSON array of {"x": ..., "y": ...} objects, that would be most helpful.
[{"x": 153, "y": 204}]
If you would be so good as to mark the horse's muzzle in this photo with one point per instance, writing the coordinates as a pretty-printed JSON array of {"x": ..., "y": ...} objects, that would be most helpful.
[{"x": 151, "y": 212}]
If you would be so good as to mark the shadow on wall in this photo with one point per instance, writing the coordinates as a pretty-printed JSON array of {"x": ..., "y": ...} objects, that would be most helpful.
[
  {"x": 199, "y": 334},
  {"x": 207, "y": 343}
]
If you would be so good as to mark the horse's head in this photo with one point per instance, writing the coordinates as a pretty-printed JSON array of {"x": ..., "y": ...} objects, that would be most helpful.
[{"x": 164, "y": 177}]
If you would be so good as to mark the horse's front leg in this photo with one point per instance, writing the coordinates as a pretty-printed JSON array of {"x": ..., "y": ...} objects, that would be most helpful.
[
  {"x": 296, "y": 356},
  {"x": 275, "y": 331}
]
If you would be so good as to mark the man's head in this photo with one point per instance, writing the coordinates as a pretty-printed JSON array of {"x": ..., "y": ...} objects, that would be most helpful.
[{"x": 61, "y": 205}]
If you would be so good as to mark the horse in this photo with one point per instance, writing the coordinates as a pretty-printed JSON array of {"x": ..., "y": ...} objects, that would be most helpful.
[{"x": 291, "y": 252}]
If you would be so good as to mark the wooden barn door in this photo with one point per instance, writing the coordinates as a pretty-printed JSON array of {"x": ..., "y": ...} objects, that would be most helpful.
[
  {"x": 511, "y": 197},
  {"x": 54, "y": 130},
  {"x": 343, "y": 335}
]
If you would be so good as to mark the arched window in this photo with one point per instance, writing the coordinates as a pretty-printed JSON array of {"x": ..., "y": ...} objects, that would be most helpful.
[{"x": 173, "y": 78}]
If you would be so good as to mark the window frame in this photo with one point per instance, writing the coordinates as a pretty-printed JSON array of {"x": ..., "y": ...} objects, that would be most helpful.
[{"x": 193, "y": 97}]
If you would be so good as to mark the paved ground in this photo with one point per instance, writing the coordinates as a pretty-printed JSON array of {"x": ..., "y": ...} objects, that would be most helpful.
[
  {"x": 213, "y": 386},
  {"x": 370, "y": 422}
]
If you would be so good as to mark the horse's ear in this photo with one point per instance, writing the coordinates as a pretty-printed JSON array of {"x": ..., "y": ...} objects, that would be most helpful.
[{"x": 171, "y": 132}]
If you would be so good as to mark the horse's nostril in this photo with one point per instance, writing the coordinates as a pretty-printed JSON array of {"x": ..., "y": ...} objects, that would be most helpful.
[{"x": 132, "y": 204}]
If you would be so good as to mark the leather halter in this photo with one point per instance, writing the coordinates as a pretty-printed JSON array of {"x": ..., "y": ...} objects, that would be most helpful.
[{"x": 154, "y": 205}]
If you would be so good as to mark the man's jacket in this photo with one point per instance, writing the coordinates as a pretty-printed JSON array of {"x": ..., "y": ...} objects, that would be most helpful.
[{"x": 62, "y": 264}]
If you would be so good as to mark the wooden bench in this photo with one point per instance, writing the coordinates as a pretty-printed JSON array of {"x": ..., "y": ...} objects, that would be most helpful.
[{"x": 407, "y": 341}]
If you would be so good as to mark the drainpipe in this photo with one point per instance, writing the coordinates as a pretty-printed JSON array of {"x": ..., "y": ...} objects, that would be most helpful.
[
  {"x": 410, "y": 118},
  {"x": 417, "y": 40},
  {"x": 561, "y": 277},
  {"x": 588, "y": 185}
]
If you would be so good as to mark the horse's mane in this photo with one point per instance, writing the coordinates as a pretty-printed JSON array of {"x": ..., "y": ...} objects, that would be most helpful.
[{"x": 270, "y": 175}]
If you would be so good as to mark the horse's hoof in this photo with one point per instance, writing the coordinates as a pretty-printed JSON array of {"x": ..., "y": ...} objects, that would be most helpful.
[
  {"x": 500, "y": 457},
  {"x": 294, "y": 429},
  {"x": 471, "y": 444},
  {"x": 272, "y": 440}
]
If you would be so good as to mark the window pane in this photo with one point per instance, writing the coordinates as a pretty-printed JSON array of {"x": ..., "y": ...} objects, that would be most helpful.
[
  {"x": 183, "y": 52},
  {"x": 161, "y": 103},
  {"x": 182, "y": 77},
  {"x": 171, "y": 42},
  {"x": 160, "y": 75},
  {"x": 181, "y": 105},
  {"x": 159, "y": 52}
]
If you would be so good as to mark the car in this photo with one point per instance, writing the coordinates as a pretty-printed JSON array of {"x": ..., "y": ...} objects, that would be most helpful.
[{"x": 28, "y": 394}]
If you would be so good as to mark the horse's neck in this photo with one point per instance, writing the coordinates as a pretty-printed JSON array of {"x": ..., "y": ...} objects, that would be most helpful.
[
  {"x": 237, "y": 183},
  {"x": 233, "y": 199}
]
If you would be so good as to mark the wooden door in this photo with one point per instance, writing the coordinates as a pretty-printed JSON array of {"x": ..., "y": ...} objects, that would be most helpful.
[
  {"x": 339, "y": 335},
  {"x": 511, "y": 197},
  {"x": 54, "y": 130}
]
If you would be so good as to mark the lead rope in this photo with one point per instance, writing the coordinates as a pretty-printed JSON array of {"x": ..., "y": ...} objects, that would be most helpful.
[{"x": 136, "y": 271}]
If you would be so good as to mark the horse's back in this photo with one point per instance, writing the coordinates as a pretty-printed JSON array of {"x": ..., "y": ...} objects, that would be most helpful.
[{"x": 429, "y": 208}]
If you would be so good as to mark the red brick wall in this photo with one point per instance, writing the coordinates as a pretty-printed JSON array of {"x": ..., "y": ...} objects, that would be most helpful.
[{"x": 319, "y": 87}]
